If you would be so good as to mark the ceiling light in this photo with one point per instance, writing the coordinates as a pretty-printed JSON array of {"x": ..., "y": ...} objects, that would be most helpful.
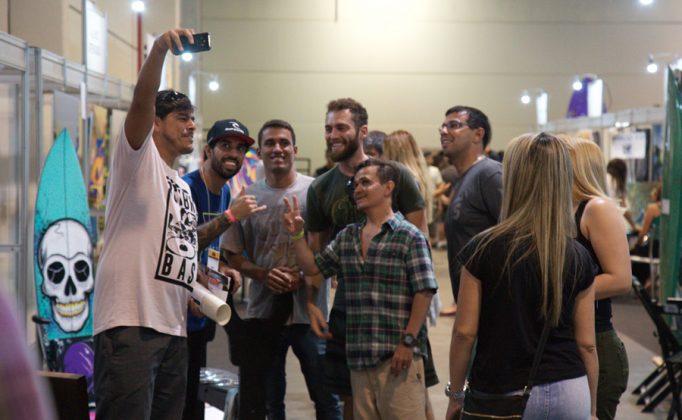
[
  {"x": 138, "y": 6},
  {"x": 525, "y": 98},
  {"x": 646, "y": 2},
  {"x": 652, "y": 67},
  {"x": 213, "y": 85}
]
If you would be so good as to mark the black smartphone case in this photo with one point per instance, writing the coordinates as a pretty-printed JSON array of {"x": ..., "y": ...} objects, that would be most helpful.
[{"x": 202, "y": 42}]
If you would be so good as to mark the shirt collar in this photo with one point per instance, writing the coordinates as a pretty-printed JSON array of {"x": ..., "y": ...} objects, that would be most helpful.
[{"x": 391, "y": 223}]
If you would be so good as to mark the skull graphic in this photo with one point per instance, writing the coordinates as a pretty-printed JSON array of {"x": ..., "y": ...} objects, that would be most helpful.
[{"x": 65, "y": 261}]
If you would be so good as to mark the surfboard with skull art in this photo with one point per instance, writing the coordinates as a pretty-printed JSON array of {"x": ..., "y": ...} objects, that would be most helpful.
[{"x": 64, "y": 272}]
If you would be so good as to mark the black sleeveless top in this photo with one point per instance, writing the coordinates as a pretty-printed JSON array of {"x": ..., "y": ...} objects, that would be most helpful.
[{"x": 602, "y": 308}]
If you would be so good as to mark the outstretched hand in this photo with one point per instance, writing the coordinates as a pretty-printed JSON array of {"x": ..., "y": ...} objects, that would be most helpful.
[
  {"x": 172, "y": 38},
  {"x": 245, "y": 205},
  {"x": 293, "y": 222}
]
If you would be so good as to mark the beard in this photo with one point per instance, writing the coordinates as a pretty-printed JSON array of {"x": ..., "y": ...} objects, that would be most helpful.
[
  {"x": 218, "y": 168},
  {"x": 345, "y": 154}
]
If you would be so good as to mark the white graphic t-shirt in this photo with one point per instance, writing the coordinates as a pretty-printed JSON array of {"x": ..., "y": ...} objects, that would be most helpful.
[{"x": 149, "y": 259}]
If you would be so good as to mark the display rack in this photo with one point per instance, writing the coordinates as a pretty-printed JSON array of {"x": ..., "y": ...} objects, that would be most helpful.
[
  {"x": 59, "y": 73},
  {"x": 34, "y": 72},
  {"x": 636, "y": 116}
]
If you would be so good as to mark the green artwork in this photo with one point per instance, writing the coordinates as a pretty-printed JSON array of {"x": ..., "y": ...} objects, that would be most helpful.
[{"x": 671, "y": 204}]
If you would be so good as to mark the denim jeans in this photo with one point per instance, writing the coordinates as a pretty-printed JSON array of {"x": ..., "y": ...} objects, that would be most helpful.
[
  {"x": 562, "y": 400},
  {"x": 309, "y": 349}
]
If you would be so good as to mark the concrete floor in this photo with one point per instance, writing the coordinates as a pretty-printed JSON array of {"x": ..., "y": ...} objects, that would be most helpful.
[{"x": 631, "y": 319}]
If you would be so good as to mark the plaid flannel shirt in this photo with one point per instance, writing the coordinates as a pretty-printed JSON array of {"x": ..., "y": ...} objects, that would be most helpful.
[{"x": 380, "y": 289}]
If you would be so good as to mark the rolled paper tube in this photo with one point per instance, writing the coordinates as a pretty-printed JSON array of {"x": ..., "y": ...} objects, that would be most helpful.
[{"x": 211, "y": 305}]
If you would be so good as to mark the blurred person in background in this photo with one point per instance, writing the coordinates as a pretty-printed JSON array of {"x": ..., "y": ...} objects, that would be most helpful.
[
  {"x": 616, "y": 188},
  {"x": 327, "y": 166},
  {"x": 374, "y": 144},
  {"x": 648, "y": 236},
  {"x": 23, "y": 393},
  {"x": 436, "y": 180}
]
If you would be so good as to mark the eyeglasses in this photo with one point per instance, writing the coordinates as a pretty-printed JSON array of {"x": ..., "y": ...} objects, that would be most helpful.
[{"x": 452, "y": 125}]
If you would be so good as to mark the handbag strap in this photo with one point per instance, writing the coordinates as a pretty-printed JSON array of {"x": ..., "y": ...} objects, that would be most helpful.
[{"x": 538, "y": 356}]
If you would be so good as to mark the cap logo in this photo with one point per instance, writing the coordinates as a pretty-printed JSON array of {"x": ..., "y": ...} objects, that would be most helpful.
[{"x": 235, "y": 127}]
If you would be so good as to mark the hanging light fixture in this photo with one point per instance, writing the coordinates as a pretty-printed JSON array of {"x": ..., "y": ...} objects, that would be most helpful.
[
  {"x": 138, "y": 6},
  {"x": 670, "y": 58},
  {"x": 525, "y": 97},
  {"x": 213, "y": 85}
]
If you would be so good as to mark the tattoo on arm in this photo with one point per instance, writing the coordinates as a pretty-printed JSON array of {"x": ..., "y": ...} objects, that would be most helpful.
[{"x": 211, "y": 230}]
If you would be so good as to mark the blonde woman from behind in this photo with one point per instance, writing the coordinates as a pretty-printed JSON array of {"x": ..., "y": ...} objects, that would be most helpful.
[
  {"x": 518, "y": 276},
  {"x": 602, "y": 232}
]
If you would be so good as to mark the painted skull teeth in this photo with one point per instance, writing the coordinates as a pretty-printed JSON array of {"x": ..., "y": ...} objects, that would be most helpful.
[{"x": 72, "y": 309}]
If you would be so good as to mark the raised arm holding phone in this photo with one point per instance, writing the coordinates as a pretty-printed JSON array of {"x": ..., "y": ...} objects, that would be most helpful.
[{"x": 149, "y": 259}]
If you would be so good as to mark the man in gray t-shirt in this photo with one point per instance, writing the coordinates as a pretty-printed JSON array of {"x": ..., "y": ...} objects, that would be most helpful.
[
  {"x": 477, "y": 193},
  {"x": 260, "y": 248}
]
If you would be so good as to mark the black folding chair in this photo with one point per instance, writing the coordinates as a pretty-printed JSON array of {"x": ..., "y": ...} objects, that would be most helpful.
[{"x": 672, "y": 358}]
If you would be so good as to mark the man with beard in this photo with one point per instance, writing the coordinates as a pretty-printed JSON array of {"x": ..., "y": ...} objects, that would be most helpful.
[
  {"x": 260, "y": 248},
  {"x": 477, "y": 192},
  {"x": 330, "y": 208},
  {"x": 228, "y": 141}
]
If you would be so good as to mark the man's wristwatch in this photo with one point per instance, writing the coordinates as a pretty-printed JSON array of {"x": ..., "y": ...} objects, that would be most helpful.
[
  {"x": 455, "y": 396},
  {"x": 408, "y": 340}
]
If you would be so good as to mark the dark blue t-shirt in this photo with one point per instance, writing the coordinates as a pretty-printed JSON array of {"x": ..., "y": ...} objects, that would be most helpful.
[{"x": 208, "y": 205}]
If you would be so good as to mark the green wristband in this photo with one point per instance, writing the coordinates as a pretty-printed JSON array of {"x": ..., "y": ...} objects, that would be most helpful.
[{"x": 297, "y": 236}]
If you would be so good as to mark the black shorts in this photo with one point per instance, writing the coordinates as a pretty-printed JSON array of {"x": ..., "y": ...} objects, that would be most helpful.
[{"x": 336, "y": 372}]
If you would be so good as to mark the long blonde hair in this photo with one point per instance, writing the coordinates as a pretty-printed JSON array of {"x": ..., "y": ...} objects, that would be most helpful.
[
  {"x": 589, "y": 168},
  {"x": 537, "y": 213},
  {"x": 400, "y": 146}
]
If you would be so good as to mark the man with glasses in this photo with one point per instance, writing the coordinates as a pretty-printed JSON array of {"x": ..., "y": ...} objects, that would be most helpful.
[
  {"x": 149, "y": 260},
  {"x": 477, "y": 193},
  {"x": 227, "y": 144}
]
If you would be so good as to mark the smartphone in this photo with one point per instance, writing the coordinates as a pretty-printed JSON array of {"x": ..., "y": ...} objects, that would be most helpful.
[
  {"x": 202, "y": 42},
  {"x": 227, "y": 281}
]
